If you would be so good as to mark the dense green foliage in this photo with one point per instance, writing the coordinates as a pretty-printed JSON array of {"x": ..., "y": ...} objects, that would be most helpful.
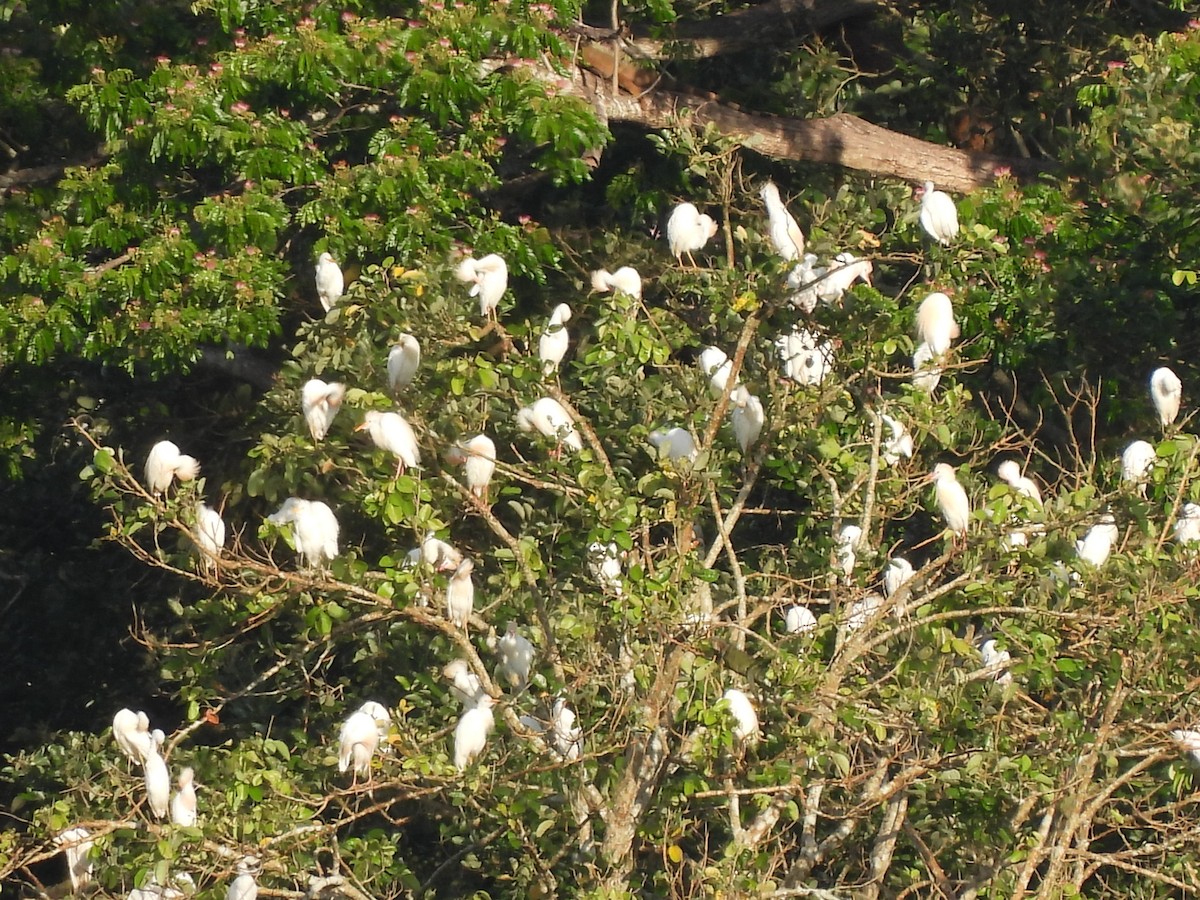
[{"x": 220, "y": 147}]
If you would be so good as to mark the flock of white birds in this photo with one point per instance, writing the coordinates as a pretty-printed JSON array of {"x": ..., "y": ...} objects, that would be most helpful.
[{"x": 806, "y": 359}]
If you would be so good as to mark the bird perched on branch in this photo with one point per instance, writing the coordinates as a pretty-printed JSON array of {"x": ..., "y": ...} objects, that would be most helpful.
[
  {"x": 807, "y": 360},
  {"x": 210, "y": 535},
  {"x": 716, "y": 367},
  {"x": 390, "y": 431},
  {"x": 314, "y": 529},
  {"x": 320, "y": 402},
  {"x": 747, "y": 416},
  {"x": 899, "y": 442},
  {"x": 926, "y": 374},
  {"x": 688, "y": 230},
  {"x": 1095, "y": 546},
  {"x": 166, "y": 463},
  {"x": 799, "y": 619},
  {"x": 244, "y": 887},
  {"x": 158, "y": 783},
  {"x": 786, "y": 236},
  {"x": 935, "y": 323},
  {"x": 360, "y": 736},
  {"x": 1010, "y": 472},
  {"x": 555, "y": 339},
  {"x": 951, "y": 498},
  {"x": 183, "y": 802},
  {"x": 488, "y": 278},
  {"x": 939, "y": 215},
  {"x": 464, "y": 684},
  {"x": 471, "y": 733},
  {"x": 1187, "y": 526},
  {"x": 77, "y": 847},
  {"x": 516, "y": 658},
  {"x": 550, "y": 418},
  {"x": 625, "y": 280},
  {"x": 745, "y": 719},
  {"x": 478, "y": 457},
  {"x": 402, "y": 363},
  {"x": 330, "y": 283},
  {"x": 1166, "y": 390},
  {"x": 1136, "y": 463},
  {"x": 674, "y": 443},
  {"x": 845, "y": 549},
  {"x": 460, "y": 595},
  {"x": 131, "y": 731}
]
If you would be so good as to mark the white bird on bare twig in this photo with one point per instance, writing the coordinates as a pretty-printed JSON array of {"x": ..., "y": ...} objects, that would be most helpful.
[
  {"x": 360, "y": 736},
  {"x": 314, "y": 529},
  {"x": 166, "y": 463}
]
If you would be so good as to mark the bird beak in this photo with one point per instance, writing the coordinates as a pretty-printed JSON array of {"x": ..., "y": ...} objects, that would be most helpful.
[{"x": 361, "y": 427}]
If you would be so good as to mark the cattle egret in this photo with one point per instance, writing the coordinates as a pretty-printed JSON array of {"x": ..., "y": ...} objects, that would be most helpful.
[
  {"x": 165, "y": 463},
  {"x": 994, "y": 655},
  {"x": 1166, "y": 390},
  {"x": 687, "y": 231},
  {"x": 1010, "y": 472},
  {"x": 244, "y": 887},
  {"x": 390, "y": 431},
  {"x": 898, "y": 443},
  {"x": 210, "y": 535},
  {"x": 314, "y": 529},
  {"x": 939, "y": 215},
  {"x": 604, "y": 562},
  {"x": 516, "y": 658},
  {"x": 1187, "y": 526},
  {"x": 847, "y": 542},
  {"x": 1136, "y": 462},
  {"x": 551, "y": 419},
  {"x": 566, "y": 736},
  {"x": 471, "y": 733},
  {"x": 77, "y": 847},
  {"x": 321, "y": 403},
  {"x": 745, "y": 719},
  {"x": 330, "y": 283},
  {"x": 843, "y": 271},
  {"x": 131, "y": 730},
  {"x": 488, "y": 278},
  {"x": 460, "y": 594},
  {"x": 899, "y": 572},
  {"x": 925, "y": 375},
  {"x": 747, "y": 417},
  {"x": 674, "y": 444},
  {"x": 1097, "y": 544},
  {"x": 625, "y": 280},
  {"x": 799, "y": 619},
  {"x": 183, "y": 803},
  {"x": 1189, "y": 742},
  {"x": 478, "y": 458},
  {"x": 360, "y": 736},
  {"x": 801, "y": 280},
  {"x": 439, "y": 555},
  {"x": 158, "y": 783},
  {"x": 716, "y": 367},
  {"x": 464, "y": 684},
  {"x": 402, "y": 363},
  {"x": 951, "y": 498},
  {"x": 935, "y": 322},
  {"x": 807, "y": 360},
  {"x": 786, "y": 236},
  {"x": 861, "y": 611},
  {"x": 552, "y": 345}
]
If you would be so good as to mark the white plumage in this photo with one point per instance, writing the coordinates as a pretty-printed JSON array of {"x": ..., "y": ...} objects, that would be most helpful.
[
  {"x": 478, "y": 458},
  {"x": 951, "y": 498},
  {"x": 321, "y": 402},
  {"x": 1187, "y": 526},
  {"x": 464, "y": 684},
  {"x": 314, "y": 529},
  {"x": 1010, "y": 472},
  {"x": 799, "y": 619},
  {"x": 164, "y": 463},
  {"x": 516, "y": 658},
  {"x": 925, "y": 375},
  {"x": 745, "y": 719},
  {"x": 183, "y": 802},
  {"x": 552, "y": 345},
  {"x": 673, "y": 443},
  {"x": 550, "y": 418},
  {"x": 131, "y": 730},
  {"x": 807, "y": 359},
  {"x": 566, "y": 736},
  {"x": 688, "y": 230},
  {"x": 861, "y": 611},
  {"x": 993, "y": 655},
  {"x": 1189, "y": 742},
  {"x": 839, "y": 277},
  {"x": 939, "y": 215},
  {"x": 804, "y": 292},
  {"x": 1097, "y": 544},
  {"x": 935, "y": 322},
  {"x": 471, "y": 733},
  {"x": 460, "y": 594},
  {"x": 438, "y": 554},
  {"x": 626, "y": 280},
  {"x": 244, "y": 887},
  {"x": 898, "y": 573},
  {"x": 360, "y": 736},
  {"x": 1136, "y": 462},
  {"x": 604, "y": 562},
  {"x": 158, "y": 783},
  {"x": 786, "y": 236},
  {"x": 488, "y": 278},
  {"x": 716, "y": 367},
  {"x": 1166, "y": 390},
  {"x": 403, "y": 361},
  {"x": 747, "y": 417},
  {"x": 330, "y": 283},
  {"x": 846, "y": 545},
  {"x": 898, "y": 443},
  {"x": 390, "y": 431},
  {"x": 210, "y": 534},
  {"x": 77, "y": 845}
]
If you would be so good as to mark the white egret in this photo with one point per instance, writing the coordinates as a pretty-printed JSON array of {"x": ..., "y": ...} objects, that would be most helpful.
[
  {"x": 993, "y": 655},
  {"x": 807, "y": 360},
  {"x": 77, "y": 846},
  {"x": 330, "y": 283},
  {"x": 604, "y": 562},
  {"x": 786, "y": 236},
  {"x": 550, "y": 418},
  {"x": 314, "y": 529},
  {"x": 516, "y": 658},
  {"x": 935, "y": 322},
  {"x": 1010, "y": 472},
  {"x": 403, "y": 361},
  {"x": 210, "y": 535},
  {"x": 1189, "y": 742},
  {"x": 464, "y": 684},
  {"x": 567, "y": 737},
  {"x": 845, "y": 547},
  {"x": 899, "y": 572},
  {"x": 716, "y": 367},
  {"x": 360, "y": 736},
  {"x": 488, "y": 278},
  {"x": 951, "y": 498},
  {"x": 183, "y": 802},
  {"x": 460, "y": 595},
  {"x": 925, "y": 375},
  {"x": 471, "y": 733},
  {"x": 1187, "y": 526},
  {"x": 939, "y": 215},
  {"x": 1166, "y": 390},
  {"x": 158, "y": 783},
  {"x": 1136, "y": 463},
  {"x": 321, "y": 402},
  {"x": 747, "y": 416},
  {"x": 478, "y": 457},
  {"x": 688, "y": 230},
  {"x": 552, "y": 345},
  {"x": 843, "y": 271},
  {"x": 625, "y": 280},
  {"x": 898, "y": 443},
  {"x": 799, "y": 619},
  {"x": 745, "y": 719},
  {"x": 439, "y": 555},
  {"x": 673, "y": 444},
  {"x": 861, "y": 611},
  {"x": 131, "y": 730},
  {"x": 1097, "y": 544},
  {"x": 164, "y": 463},
  {"x": 801, "y": 280},
  {"x": 390, "y": 431},
  {"x": 244, "y": 887}
]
